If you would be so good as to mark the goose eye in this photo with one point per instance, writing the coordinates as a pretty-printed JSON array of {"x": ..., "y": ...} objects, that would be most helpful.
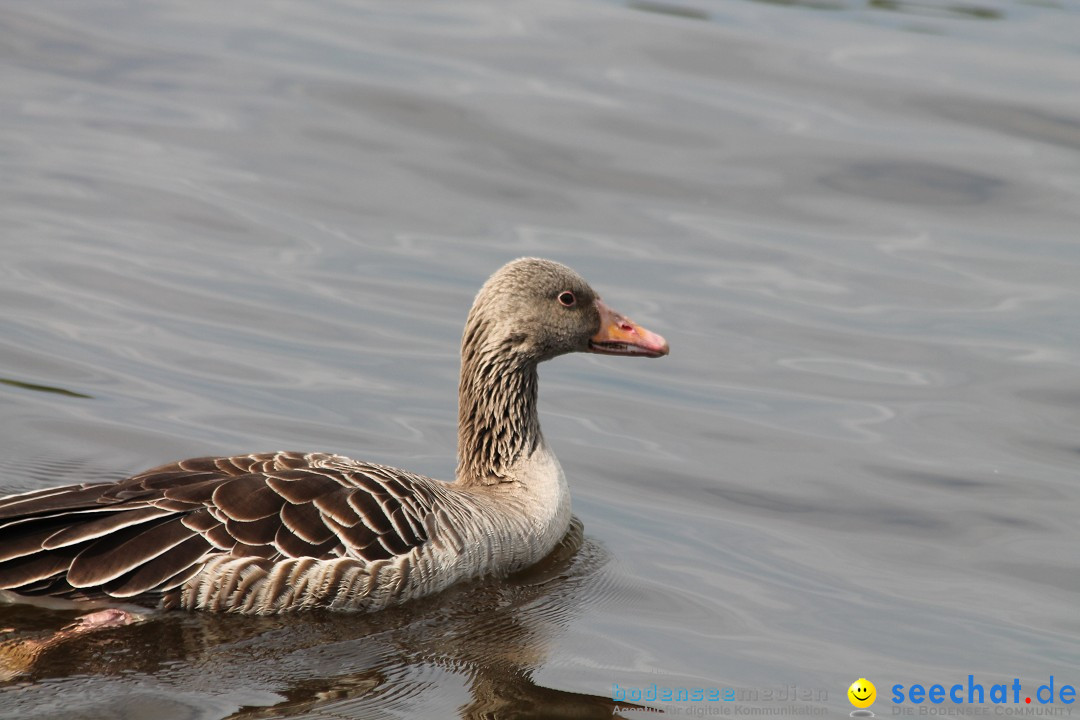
[{"x": 567, "y": 298}]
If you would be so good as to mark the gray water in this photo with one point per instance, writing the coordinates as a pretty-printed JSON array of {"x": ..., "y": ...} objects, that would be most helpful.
[{"x": 246, "y": 226}]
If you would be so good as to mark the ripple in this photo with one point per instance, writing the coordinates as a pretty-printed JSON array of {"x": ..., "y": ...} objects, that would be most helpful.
[{"x": 250, "y": 227}]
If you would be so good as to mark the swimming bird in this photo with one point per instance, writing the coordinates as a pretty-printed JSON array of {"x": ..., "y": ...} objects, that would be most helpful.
[{"x": 278, "y": 532}]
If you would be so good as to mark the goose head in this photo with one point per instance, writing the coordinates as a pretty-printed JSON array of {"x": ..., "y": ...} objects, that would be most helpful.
[
  {"x": 529, "y": 311},
  {"x": 533, "y": 310}
]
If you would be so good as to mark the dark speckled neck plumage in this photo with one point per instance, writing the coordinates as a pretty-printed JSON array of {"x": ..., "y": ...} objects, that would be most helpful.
[{"x": 497, "y": 418}]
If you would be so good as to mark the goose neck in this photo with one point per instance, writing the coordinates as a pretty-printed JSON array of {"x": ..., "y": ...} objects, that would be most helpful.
[{"x": 498, "y": 425}]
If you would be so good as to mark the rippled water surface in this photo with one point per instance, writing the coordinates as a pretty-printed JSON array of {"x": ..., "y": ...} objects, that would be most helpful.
[{"x": 247, "y": 226}]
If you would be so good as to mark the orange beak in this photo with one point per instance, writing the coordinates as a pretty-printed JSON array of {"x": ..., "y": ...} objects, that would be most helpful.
[{"x": 619, "y": 335}]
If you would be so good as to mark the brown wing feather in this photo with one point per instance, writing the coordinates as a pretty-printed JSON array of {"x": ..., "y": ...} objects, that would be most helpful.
[
  {"x": 302, "y": 486},
  {"x": 247, "y": 498},
  {"x": 152, "y": 532},
  {"x": 304, "y": 522},
  {"x": 27, "y": 541},
  {"x": 36, "y": 569},
  {"x": 336, "y": 505},
  {"x": 105, "y": 524},
  {"x": 153, "y": 574},
  {"x": 108, "y": 558},
  {"x": 259, "y": 532},
  {"x": 371, "y": 512},
  {"x": 35, "y": 504},
  {"x": 291, "y": 545}
]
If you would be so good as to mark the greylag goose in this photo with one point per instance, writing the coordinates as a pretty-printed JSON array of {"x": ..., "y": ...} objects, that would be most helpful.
[{"x": 277, "y": 532}]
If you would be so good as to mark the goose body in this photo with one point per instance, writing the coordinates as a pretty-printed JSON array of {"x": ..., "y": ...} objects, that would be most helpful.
[{"x": 278, "y": 532}]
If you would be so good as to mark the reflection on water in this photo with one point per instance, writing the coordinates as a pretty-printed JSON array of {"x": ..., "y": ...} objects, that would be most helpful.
[
  {"x": 668, "y": 9},
  {"x": 41, "y": 388},
  {"x": 493, "y": 635},
  {"x": 913, "y": 7},
  {"x": 980, "y": 12}
]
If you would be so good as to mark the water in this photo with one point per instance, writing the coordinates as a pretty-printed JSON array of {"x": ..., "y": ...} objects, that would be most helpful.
[{"x": 250, "y": 226}]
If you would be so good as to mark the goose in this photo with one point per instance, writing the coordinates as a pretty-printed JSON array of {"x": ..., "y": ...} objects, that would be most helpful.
[{"x": 280, "y": 532}]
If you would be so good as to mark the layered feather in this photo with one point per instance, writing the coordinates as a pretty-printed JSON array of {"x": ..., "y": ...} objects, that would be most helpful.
[{"x": 148, "y": 535}]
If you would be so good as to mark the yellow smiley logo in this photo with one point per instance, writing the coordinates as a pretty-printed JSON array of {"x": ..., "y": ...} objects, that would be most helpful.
[{"x": 862, "y": 693}]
